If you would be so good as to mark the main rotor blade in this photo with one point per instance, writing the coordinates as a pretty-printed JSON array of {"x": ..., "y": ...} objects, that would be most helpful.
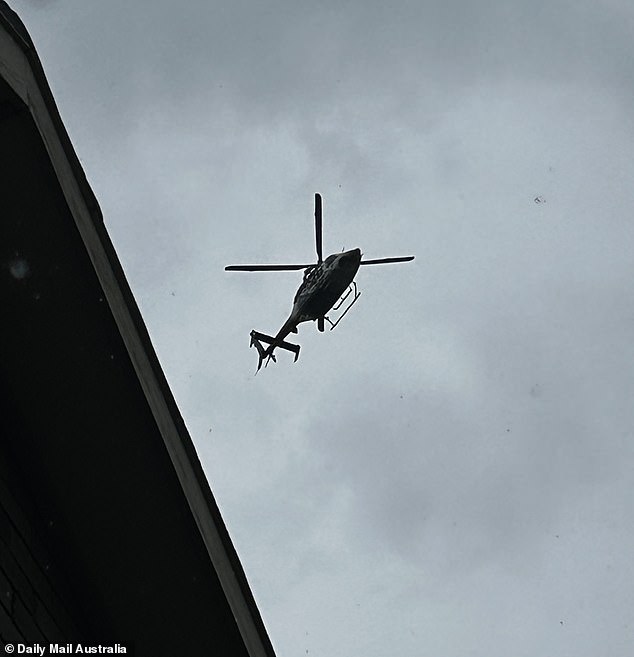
[
  {"x": 265, "y": 267},
  {"x": 318, "y": 228},
  {"x": 385, "y": 261}
]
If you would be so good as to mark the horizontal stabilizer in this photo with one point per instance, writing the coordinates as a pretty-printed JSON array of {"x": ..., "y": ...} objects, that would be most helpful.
[{"x": 262, "y": 337}]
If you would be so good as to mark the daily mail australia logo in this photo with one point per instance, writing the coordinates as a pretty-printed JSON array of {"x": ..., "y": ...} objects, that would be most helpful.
[{"x": 65, "y": 649}]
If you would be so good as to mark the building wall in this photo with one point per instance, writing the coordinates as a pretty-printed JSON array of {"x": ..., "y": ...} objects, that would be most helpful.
[{"x": 34, "y": 598}]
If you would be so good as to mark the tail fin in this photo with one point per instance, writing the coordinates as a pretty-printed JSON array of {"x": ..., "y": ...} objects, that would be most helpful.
[
  {"x": 262, "y": 352},
  {"x": 256, "y": 341}
]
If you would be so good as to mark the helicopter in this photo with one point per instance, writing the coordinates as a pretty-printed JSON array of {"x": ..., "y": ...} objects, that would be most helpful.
[{"x": 326, "y": 286}]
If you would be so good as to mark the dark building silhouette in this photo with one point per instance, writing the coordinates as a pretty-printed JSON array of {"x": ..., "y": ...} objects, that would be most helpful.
[{"x": 109, "y": 531}]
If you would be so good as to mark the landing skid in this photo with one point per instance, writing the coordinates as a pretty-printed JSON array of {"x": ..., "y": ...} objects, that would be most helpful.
[{"x": 352, "y": 290}]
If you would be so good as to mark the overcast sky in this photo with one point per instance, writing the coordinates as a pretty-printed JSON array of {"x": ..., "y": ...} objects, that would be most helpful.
[{"x": 449, "y": 472}]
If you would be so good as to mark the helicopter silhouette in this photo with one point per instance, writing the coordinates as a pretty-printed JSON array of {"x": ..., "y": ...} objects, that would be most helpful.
[{"x": 326, "y": 286}]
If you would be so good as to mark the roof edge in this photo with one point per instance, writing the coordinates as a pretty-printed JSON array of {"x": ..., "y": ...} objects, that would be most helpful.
[{"x": 89, "y": 220}]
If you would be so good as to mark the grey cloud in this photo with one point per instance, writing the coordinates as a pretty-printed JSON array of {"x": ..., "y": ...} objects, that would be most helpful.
[
  {"x": 292, "y": 58},
  {"x": 435, "y": 463}
]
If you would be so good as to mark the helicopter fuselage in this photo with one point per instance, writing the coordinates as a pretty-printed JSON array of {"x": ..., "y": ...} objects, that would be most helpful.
[{"x": 322, "y": 286}]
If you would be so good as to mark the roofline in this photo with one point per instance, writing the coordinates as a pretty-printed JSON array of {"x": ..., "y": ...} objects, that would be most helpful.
[{"x": 29, "y": 82}]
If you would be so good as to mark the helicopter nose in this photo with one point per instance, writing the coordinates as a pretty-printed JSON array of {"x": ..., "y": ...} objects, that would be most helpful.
[{"x": 350, "y": 258}]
